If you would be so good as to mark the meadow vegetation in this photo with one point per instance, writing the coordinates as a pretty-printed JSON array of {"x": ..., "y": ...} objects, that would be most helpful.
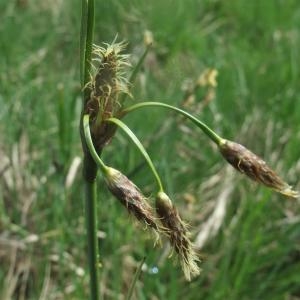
[{"x": 233, "y": 64}]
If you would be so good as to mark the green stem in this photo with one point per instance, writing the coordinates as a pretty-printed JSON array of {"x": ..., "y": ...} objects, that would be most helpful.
[
  {"x": 209, "y": 132},
  {"x": 89, "y": 142},
  {"x": 138, "y": 144},
  {"x": 88, "y": 45},
  {"x": 135, "y": 278},
  {"x": 89, "y": 166},
  {"x": 83, "y": 40},
  {"x": 91, "y": 224}
]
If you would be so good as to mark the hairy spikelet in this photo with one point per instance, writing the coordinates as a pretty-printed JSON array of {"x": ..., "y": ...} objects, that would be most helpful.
[
  {"x": 106, "y": 85},
  {"x": 254, "y": 167},
  {"x": 177, "y": 233},
  {"x": 109, "y": 80},
  {"x": 171, "y": 224},
  {"x": 132, "y": 198}
]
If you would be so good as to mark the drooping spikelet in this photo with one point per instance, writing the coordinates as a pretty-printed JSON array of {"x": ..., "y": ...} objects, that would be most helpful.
[
  {"x": 106, "y": 85},
  {"x": 132, "y": 198},
  {"x": 254, "y": 167},
  {"x": 177, "y": 233}
]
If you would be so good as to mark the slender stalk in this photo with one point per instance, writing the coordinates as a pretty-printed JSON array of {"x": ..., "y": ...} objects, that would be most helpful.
[
  {"x": 89, "y": 142},
  {"x": 83, "y": 40},
  {"x": 135, "y": 278},
  {"x": 89, "y": 166},
  {"x": 91, "y": 225},
  {"x": 139, "y": 145},
  {"x": 209, "y": 132},
  {"x": 90, "y": 20}
]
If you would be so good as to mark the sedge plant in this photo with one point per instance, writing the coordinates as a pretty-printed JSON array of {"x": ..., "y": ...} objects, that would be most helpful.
[{"x": 105, "y": 88}]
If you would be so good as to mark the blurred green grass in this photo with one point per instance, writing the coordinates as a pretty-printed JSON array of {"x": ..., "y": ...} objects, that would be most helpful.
[{"x": 255, "y": 253}]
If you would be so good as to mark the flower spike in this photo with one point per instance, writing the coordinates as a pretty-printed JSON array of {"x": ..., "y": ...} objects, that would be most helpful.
[
  {"x": 177, "y": 233},
  {"x": 254, "y": 167},
  {"x": 131, "y": 197}
]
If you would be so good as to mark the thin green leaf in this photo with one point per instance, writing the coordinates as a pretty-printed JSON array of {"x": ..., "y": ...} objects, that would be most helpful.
[{"x": 135, "y": 278}]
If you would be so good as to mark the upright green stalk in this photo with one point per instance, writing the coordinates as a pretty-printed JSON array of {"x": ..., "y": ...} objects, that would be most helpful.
[{"x": 89, "y": 166}]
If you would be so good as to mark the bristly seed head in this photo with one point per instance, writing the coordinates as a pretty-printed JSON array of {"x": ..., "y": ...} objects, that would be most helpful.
[
  {"x": 177, "y": 233},
  {"x": 132, "y": 198},
  {"x": 171, "y": 224},
  {"x": 254, "y": 167},
  {"x": 106, "y": 85},
  {"x": 109, "y": 79}
]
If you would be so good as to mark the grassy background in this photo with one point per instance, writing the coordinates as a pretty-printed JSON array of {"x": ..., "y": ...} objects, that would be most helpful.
[{"x": 253, "y": 252}]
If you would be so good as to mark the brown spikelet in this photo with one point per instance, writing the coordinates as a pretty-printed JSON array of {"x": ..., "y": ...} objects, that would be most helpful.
[
  {"x": 177, "y": 233},
  {"x": 106, "y": 85},
  {"x": 254, "y": 167},
  {"x": 109, "y": 80},
  {"x": 131, "y": 197}
]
